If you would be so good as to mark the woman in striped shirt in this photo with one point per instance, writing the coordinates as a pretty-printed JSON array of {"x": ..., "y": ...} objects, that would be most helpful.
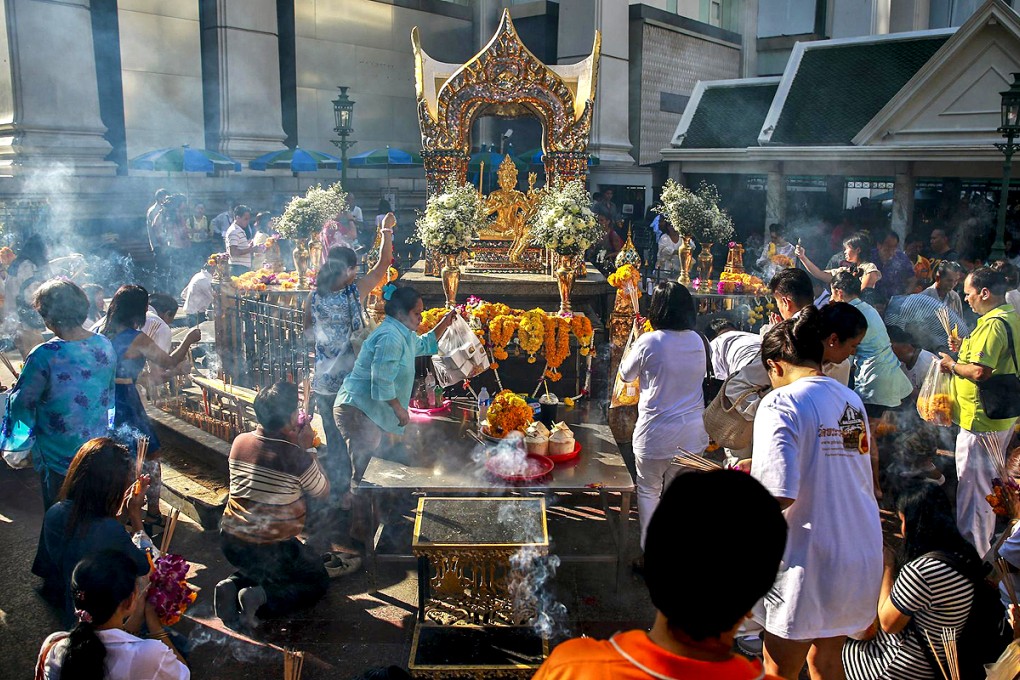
[{"x": 924, "y": 595}]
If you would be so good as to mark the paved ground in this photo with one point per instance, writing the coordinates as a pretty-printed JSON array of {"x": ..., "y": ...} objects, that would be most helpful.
[{"x": 350, "y": 631}]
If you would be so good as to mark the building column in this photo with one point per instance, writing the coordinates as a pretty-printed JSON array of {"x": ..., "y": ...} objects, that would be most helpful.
[
  {"x": 903, "y": 200},
  {"x": 241, "y": 76},
  {"x": 49, "y": 93},
  {"x": 775, "y": 198},
  {"x": 610, "y": 132},
  {"x": 676, "y": 172},
  {"x": 749, "y": 34}
]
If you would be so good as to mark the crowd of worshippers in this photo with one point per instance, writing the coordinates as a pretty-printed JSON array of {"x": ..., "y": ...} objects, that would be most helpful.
[{"x": 828, "y": 389}]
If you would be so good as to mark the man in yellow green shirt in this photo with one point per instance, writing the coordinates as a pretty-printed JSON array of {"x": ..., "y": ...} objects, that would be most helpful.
[{"x": 984, "y": 353}]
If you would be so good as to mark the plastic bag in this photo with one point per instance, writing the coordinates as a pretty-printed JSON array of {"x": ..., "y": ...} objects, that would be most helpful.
[
  {"x": 935, "y": 399},
  {"x": 16, "y": 459},
  {"x": 461, "y": 354},
  {"x": 626, "y": 393}
]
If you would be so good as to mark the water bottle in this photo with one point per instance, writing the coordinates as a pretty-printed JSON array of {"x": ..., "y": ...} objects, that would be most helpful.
[
  {"x": 483, "y": 404},
  {"x": 430, "y": 389}
]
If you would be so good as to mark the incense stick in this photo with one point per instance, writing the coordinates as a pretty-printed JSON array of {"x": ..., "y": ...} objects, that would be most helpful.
[
  {"x": 692, "y": 460},
  {"x": 9, "y": 365},
  {"x": 1007, "y": 580},
  {"x": 293, "y": 664},
  {"x": 935, "y": 653},
  {"x": 168, "y": 533}
]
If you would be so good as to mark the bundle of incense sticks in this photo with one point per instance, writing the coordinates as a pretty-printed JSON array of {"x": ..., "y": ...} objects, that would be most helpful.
[
  {"x": 142, "y": 448},
  {"x": 9, "y": 366},
  {"x": 997, "y": 451},
  {"x": 168, "y": 533},
  {"x": 692, "y": 460},
  {"x": 293, "y": 663},
  {"x": 951, "y": 671},
  {"x": 1007, "y": 580},
  {"x": 943, "y": 315}
]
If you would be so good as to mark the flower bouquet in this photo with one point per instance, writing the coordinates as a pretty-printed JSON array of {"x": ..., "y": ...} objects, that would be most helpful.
[
  {"x": 628, "y": 279},
  {"x": 169, "y": 591},
  {"x": 695, "y": 214},
  {"x": 450, "y": 220},
  {"x": 564, "y": 221},
  {"x": 507, "y": 413},
  {"x": 304, "y": 215}
]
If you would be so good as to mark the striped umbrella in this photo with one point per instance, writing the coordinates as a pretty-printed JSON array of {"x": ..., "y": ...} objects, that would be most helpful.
[
  {"x": 296, "y": 160},
  {"x": 184, "y": 159}
]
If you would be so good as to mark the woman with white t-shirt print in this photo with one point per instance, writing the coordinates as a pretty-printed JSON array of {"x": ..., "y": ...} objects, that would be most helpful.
[
  {"x": 670, "y": 362},
  {"x": 811, "y": 452}
]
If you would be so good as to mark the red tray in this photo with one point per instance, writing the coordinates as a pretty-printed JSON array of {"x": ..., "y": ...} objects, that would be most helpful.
[
  {"x": 536, "y": 467},
  {"x": 424, "y": 413},
  {"x": 565, "y": 457}
]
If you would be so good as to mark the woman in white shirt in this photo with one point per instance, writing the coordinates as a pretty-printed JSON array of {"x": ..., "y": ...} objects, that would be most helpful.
[
  {"x": 812, "y": 453},
  {"x": 670, "y": 362},
  {"x": 667, "y": 261},
  {"x": 109, "y": 601}
]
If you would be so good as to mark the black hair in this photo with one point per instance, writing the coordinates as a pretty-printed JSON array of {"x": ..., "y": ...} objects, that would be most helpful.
[
  {"x": 914, "y": 237},
  {"x": 846, "y": 283},
  {"x": 694, "y": 592},
  {"x": 32, "y": 250},
  {"x": 402, "y": 301},
  {"x": 344, "y": 255},
  {"x": 163, "y": 303},
  {"x": 262, "y": 217},
  {"x": 1008, "y": 271},
  {"x": 777, "y": 227},
  {"x": 794, "y": 284},
  {"x": 986, "y": 277},
  {"x": 96, "y": 480},
  {"x": 948, "y": 266},
  {"x": 875, "y": 297},
  {"x": 384, "y": 206},
  {"x": 240, "y": 210},
  {"x": 61, "y": 303},
  {"x": 275, "y": 405},
  {"x": 127, "y": 309},
  {"x": 886, "y": 233},
  {"x": 931, "y": 525},
  {"x": 860, "y": 241},
  {"x": 717, "y": 326},
  {"x": 843, "y": 319},
  {"x": 797, "y": 341},
  {"x": 671, "y": 307},
  {"x": 900, "y": 336},
  {"x": 99, "y": 584}
]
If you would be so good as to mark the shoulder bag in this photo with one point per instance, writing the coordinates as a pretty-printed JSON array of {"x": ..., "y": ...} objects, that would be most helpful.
[
  {"x": 999, "y": 393},
  {"x": 724, "y": 420},
  {"x": 711, "y": 385}
]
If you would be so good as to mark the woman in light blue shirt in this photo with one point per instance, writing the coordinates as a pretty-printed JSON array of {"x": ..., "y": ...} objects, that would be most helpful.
[{"x": 373, "y": 401}]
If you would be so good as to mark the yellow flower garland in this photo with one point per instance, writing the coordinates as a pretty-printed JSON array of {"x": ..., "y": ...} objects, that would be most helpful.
[
  {"x": 531, "y": 332},
  {"x": 501, "y": 331},
  {"x": 508, "y": 412},
  {"x": 582, "y": 330},
  {"x": 557, "y": 344},
  {"x": 429, "y": 319},
  {"x": 627, "y": 275}
]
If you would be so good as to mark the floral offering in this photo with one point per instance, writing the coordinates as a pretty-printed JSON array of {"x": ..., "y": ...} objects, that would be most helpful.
[
  {"x": 531, "y": 332},
  {"x": 695, "y": 214},
  {"x": 557, "y": 345},
  {"x": 304, "y": 215},
  {"x": 450, "y": 221},
  {"x": 169, "y": 591},
  {"x": 937, "y": 409},
  {"x": 625, "y": 277},
  {"x": 564, "y": 221},
  {"x": 217, "y": 259},
  {"x": 740, "y": 284},
  {"x": 508, "y": 412},
  {"x": 1005, "y": 496}
]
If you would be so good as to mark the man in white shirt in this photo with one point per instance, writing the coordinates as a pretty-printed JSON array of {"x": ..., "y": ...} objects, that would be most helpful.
[
  {"x": 947, "y": 277},
  {"x": 355, "y": 210},
  {"x": 198, "y": 296},
  {"x": 732, "y": 349},
  {"x": 914, "y": 360},
  {"x": 161, "y": 313},
  {"x": 239, "y": 246}
]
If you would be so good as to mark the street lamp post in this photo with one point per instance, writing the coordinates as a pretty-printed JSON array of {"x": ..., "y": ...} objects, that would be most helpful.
[
  {"x": 343, "y": 114},
  {"x": 1010, "y": 130}
]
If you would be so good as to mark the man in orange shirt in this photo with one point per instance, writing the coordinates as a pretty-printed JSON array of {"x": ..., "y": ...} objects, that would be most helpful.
[{"x": 689, "y": 554}]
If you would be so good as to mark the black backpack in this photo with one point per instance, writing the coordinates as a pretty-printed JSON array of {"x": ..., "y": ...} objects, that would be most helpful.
[{"x": 985, "y": 634}]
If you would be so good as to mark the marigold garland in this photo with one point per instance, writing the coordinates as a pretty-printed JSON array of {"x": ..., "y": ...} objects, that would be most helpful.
[
  {"x": 627, "y": 275},
  {"x": 508, "y": 412},
  {"x": 557, "y": 345},
  {"x": 580, "y": 326},
  {"x": 501, "y": 332},
  {"x": 531, "y": 332},
  {"x": 429, "y": 319}
]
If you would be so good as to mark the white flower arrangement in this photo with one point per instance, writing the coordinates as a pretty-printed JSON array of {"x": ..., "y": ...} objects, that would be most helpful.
[
  {"x": 564, "y": 221},
  {"x": 450, "y": 220},
  {"x": 304, "y": 215},
  {"x": 695, "y": 214}
]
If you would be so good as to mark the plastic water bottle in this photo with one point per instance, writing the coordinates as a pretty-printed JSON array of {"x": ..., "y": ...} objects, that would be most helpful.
[
  {"x": 483, "y": 404},
  {"x": 430, "y": 389}
]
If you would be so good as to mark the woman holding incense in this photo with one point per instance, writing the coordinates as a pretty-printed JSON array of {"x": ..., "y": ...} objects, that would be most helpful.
[
  {"x": 814, "y": 440},
  {"x": 109, "y": 606},
  {"x": 124, "y": 318},
  {"x": 670, "y": 362},
  {"x": 856, "y": 260},
  {"x": 99, "y": 508},
  {"x": 921, "y": 593},
  {"x": 371, "y": 406}
]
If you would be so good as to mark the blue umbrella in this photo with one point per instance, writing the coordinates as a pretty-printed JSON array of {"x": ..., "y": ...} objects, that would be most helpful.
[
  {"x": 295, "y": 160},
  {"x": 534, "y": 157},
  {"x": 384, "y": 158},
  {"x": 184, "y": 159}
]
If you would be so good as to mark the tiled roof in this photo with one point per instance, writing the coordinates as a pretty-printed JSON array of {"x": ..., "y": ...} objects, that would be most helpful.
[
  {"x": 838, "y": 88},
  {"x": 729, "y": 117}
]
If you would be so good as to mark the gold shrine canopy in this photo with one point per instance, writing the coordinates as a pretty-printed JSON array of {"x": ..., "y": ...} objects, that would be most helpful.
[{"x": 504, "y": 79}]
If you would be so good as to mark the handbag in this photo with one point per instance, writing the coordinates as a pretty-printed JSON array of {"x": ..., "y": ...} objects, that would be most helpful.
[
  {"x": 711, "y": 385},
  {"x": 724, "y": 421},
  {"x": 626, "y": 393},
  {"x": 998, "y": 394}
]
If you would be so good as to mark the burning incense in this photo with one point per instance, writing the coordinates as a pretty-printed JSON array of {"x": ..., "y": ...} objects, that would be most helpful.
[
  {"x": 168, "y": 533},
  {"x": 9, "y": 366},
  {"x": 695, "y": 462},
  {"x": 293, "y": 663},
  {"x": 141, "y": 449}
]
